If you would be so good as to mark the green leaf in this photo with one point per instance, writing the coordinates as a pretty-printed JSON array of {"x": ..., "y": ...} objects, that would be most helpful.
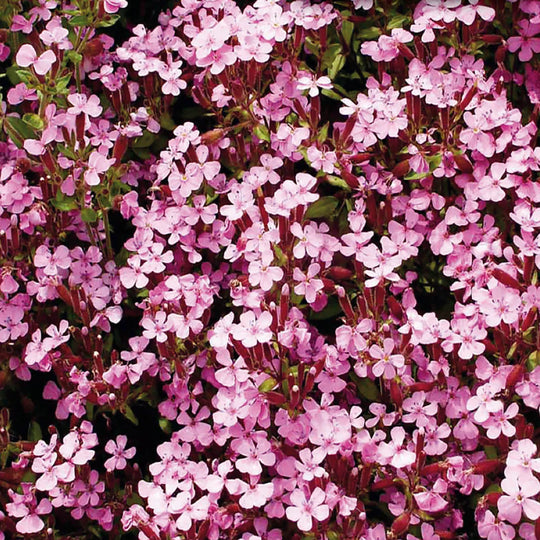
[
  {"x": 323, "y": 133},
  {"x": 338, "y": 182},
  {"x": 369, "y": 33},
  {"x": 166, "y": 122},
  {"x": 267, "y": 385},
  {"x": 262, "y": 132},
  {"x": 324, "y": 207},
  {"x": 13, "y": 75},
  {"x": 336, "y": 66},
  {"x": 79, "y": 20},
  {"x": 347, "y": 29},
  {"x": 331, "y": 311},
  {"x": 130, "y": 415},
  {"x": 18, "y": 130},
  {"x": 165, "y": 425},
  {"x": 331, "y": 94},
  {"x": 398, "y": 21},
  {"x": 33, "y": 120},
  {"x": 68, "y": 152},
  {"x": 34, "y": 431},
  {"x": 89, "y": 215},
  {"x": 367, "y": 388},
  {"x": 74, "y": 57},
  {"x": 24, "y": 75},
  {"x": 330, "y": 55},
  {"x": 64, "y": 203},
  {"x": 110, "y": 21},
  {"x": 62, "y": 83},
  {"x": 533, "y": 360},
  {"x": 491, "y": 452},
  {"x": 144, "y": 141}
]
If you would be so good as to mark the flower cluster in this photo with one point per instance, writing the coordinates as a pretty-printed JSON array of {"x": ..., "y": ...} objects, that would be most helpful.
[{"x": 270, "y": 270}]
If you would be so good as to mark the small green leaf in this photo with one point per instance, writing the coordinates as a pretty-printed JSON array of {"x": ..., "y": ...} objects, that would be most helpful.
[
  {"x": 13, "y": 75},
  {"x": 62, "y": 83},
  {"x": 74, "y": 57},
  {"x": 347, "y": 29},
  {"x": 89, "y": 215},
  {"x": 130, "y": 415},
  {"x": 398, "y": 21},
  {"x": 79, "y": 20},
  {"x": 324, "y": 207},
  {"x": 144, "y": 141},
  {"x": 262, "y": 132},
  {"x": 336, "y": 66},
  {"x": 491, "y": 452},
  {"x": 323, "y": 133},
  {"x": 68, "y": 152},
  {"x": 533, "y": 360},
  {"x": 369, "y": 33},
  {"x": 34, "y": 431},
  {"x": 110, "y": 21},
  {"x": 338, "y": 182},
  {"x": 33, "y": 120},
  {"x": 330, "y": 54},
  {"x": 24, "y": 75},
  {"x": 267, "y": 385},
  {"x": 18, "y": 130},
  {"x": 331, "y": 94},
  {"x": 331, "y": 311},
  {"x": 367, "y": 388},
  {"x": 64, "y": 203},
  {"x": 165, "y": 425},
  {"x": 166, "y": 122}
]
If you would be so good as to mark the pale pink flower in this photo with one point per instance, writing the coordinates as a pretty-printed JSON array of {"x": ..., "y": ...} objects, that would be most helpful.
[
  {"x": 303, "y": 511},
  {"x": 27, "y": 57}
]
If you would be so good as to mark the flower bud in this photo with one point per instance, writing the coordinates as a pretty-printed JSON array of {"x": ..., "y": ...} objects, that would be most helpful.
[
  {"x": 401, "y": 524},
  {"x": 506, "y": 279},
  {"x": 338, "y": 273},
  {"x": 486, "y": 466},
  {"x": 464, "y": 165},
  {"x": 93, "y": 48}
]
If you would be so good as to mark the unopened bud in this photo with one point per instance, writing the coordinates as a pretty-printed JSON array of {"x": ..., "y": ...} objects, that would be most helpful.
[{"x": 401, "y": 524}]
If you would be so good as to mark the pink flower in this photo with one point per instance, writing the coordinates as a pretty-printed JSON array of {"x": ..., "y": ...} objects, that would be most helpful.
[
  {"x": 97, "y": 164},
  {"x": 255, "y": 455},
  {"x": 492, "y": 528},
  {"x": 253, "y": 329},
  {"x": 25, "y": 506},
  {"x": 119, "y": 453},
  {"x": 81, "y": 104},
  {"x": 308, "y": 285},
  {"x": 313, "y": 85},
  {"x": 525, "y": 42},
  {"x": 27, "y": 56},
  {"x": 261, "y": 273},
  {"x": 112, "y": 6},
  {"x": 387, "y": 363},
  {"x": 303, "y": 511},
  {"x": 518, "y": 499}
]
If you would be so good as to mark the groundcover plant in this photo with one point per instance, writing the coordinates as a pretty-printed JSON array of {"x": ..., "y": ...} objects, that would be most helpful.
[{"x": 269, "y": 270}]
